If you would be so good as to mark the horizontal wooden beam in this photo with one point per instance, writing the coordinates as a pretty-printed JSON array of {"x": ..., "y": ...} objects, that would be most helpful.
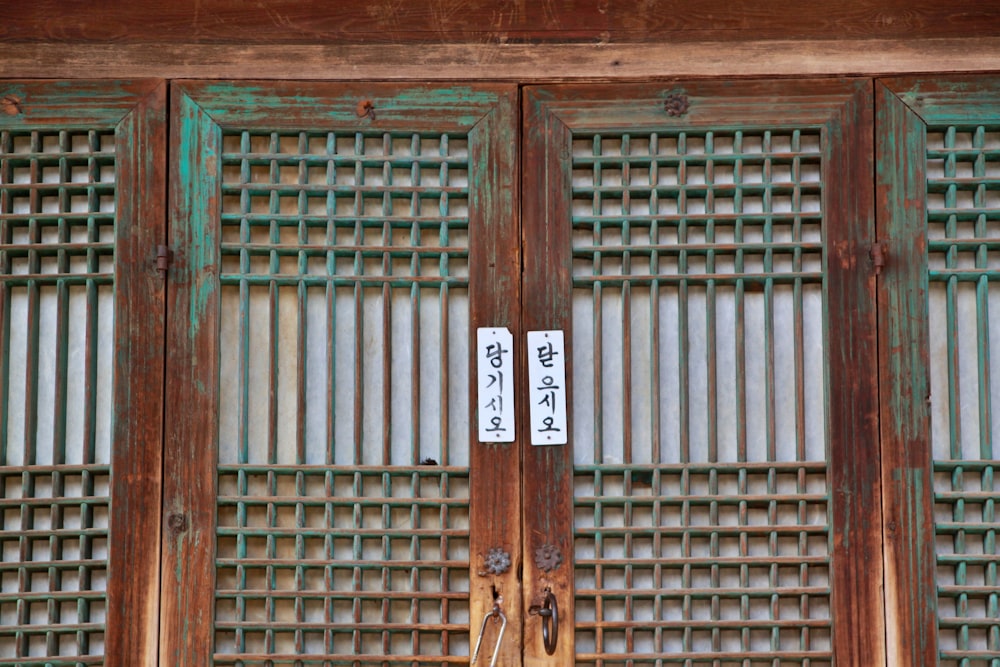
[
  {"x": 500, "y": 61},
  {"x": 525, "y": 21}
]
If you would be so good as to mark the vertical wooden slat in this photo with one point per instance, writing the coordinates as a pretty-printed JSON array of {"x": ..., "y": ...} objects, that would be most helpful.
[
  {"x": 858, "y": 634},
  {"x": 546, "y": 304},
  {"x": 192, "y": 393},
  {"x": 92, "y": 372},
  {"x": 387, "y": 357},
  {"x": 444, "y": 326},
  {"x": 30, "y": 398},
  {"x": 6, "y": 208},
  {"x": 907, "y": 476}
]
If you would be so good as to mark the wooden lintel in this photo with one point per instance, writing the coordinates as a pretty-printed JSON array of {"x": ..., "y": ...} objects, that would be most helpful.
[{"x": 500, "y": 61}]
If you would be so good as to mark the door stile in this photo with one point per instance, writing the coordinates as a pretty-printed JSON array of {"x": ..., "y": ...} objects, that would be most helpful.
[
  {"x": 494, "y": 292},
  {"x": 907, "y": 484},
  {"x": 858, "y": 636},
  {"x": 944, "y": 212},
  {"x": 548, "y": 469},
  {"x": 140, "y": 302},
  {"x": 191, "y": 418}
]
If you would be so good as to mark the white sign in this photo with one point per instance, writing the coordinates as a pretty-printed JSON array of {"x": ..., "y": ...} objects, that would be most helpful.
[
  {"x": 547, "y": 387},
  {"x": 495, "y": 346}
]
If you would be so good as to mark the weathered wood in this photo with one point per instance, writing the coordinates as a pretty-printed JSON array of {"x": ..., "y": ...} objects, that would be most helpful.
[
  {"x": 408, "y": 21},
  {"x": 494, "y": 295},
  {"x": 192, "y": 405},
  {"x": 907, "y": 478},
  {"x": 548, "y": 62},
  {"x": 547, "y": 513},
  {"x": 849, "y": 221},
  {"x": 952, "y": 99},
  {"x": 137, "y": 465}
]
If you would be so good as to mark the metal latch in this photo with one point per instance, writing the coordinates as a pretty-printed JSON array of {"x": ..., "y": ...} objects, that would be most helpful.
[{"x": 495, "y": 614}]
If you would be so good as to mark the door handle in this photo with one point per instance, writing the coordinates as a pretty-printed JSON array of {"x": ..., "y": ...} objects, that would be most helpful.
[
  {"x": 495, "y": 614},
  {"x": 549, "y": 613}
]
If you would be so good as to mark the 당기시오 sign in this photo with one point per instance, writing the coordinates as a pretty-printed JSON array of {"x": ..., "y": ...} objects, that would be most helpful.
[
  {"x": 495, "y": 351},
  {"x": 547, "y": 387}
]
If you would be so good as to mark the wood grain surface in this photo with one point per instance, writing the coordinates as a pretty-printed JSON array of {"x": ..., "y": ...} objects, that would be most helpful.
[{"x": 479, "y": 21}]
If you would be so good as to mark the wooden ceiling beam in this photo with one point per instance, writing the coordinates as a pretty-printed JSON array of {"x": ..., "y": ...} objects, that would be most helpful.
[
  {"x": 483, "y": 21},
  {"x": 501, "y": 61}
]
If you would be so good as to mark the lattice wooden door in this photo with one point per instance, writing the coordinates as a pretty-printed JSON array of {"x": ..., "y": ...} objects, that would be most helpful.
[
  {"x": 707, "y": 246},
  {"x": 336, "y": 245},
  {"x": 82, "y": 209}
]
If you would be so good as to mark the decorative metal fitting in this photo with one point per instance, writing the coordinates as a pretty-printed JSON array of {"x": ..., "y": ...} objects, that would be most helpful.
[
  {"x": 497, "y": 561},
  {"x": 548, "y": 557},
  {"x": 676, "y": 104}
]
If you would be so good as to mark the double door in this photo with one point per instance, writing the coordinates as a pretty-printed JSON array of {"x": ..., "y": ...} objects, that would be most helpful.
[{"x": 282, "y": 456}]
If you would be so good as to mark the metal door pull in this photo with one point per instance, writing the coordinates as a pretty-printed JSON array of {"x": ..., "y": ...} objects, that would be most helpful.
[
  {"x": 549, "y": 613},
  {"x": 496, "y": 613}
]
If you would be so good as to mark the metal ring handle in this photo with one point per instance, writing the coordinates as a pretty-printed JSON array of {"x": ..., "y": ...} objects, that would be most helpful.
[{"x": 550, "y": 622}]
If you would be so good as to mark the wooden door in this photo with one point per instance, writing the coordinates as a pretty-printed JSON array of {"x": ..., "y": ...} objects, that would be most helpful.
[
  {"x": 706, "y": 247},
  {"x": 336, "y": 247},
  {"x": 82, "y": 211}
]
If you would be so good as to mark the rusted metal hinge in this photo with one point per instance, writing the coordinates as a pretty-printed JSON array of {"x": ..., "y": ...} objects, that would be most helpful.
[
  {"x": 878, "y": 254},
  {"x": 164, "y": 256}
]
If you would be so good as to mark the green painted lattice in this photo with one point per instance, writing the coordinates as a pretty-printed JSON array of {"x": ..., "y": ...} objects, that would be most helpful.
[
  {"x": 343, "y": 533},
  {"x": 963, "y": 237},
  {"x": 702, "y": 521},
  {"x": 57, "y": 227}
]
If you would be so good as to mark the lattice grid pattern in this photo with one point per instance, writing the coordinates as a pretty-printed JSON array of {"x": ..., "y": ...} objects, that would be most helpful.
[
  {"x": 327, "y": 563},
  {"x": 57, "y": 215},
  {"x": 702, "y": 513},
  {"x": 963, "y": 230},
  {"x": 343, "y": 512}
]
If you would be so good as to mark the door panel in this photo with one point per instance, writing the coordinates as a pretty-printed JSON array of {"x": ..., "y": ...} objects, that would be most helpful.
[
  {"x": 338, "y": 248},
  {"x": 707, "y": 247},
  {"x": 81, "y": 370},
  {"x": 943, "y": 274}
]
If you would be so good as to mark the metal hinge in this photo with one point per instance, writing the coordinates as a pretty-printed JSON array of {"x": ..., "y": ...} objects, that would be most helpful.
[
  {"x": 164, "y": 257},
  {"x": 878, "y": 254}
]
